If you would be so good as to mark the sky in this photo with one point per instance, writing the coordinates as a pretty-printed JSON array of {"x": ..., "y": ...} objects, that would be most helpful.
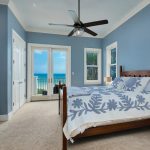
[{"x": 41, "y": 61}]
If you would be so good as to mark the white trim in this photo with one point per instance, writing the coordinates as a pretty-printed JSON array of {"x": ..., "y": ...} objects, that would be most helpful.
[
  {"x": 4, "y": 2},
  {"x": 6, "y": 117},
  {"x": 133, "y": 12},
  {"x": 99, "y": 52},
  {"x": 29, "y": 60},
  {"x": 108, "y": 56}
]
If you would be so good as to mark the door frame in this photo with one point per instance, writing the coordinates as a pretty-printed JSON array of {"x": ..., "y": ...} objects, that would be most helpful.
[
  {"x": 14, "y": 33},
  {"x": 30, "y": 59}
]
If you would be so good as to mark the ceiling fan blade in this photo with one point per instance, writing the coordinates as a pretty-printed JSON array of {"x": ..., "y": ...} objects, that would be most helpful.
[
  {"x": 72, "y": 32},
  {"x": 74, "y": 16},
  {"x": 96, "y": 23},
  {"x": 90, "y": 31},
  {"x": 65, "y": 25}
]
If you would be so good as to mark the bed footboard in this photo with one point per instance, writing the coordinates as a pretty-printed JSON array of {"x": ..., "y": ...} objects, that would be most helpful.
[{"x": 63, "y": 113}]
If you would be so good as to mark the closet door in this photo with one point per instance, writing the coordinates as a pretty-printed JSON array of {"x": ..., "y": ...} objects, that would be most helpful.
[{"x": 19, "y": 72}]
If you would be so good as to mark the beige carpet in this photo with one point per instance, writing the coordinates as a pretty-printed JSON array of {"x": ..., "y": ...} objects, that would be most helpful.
[{"x": 36, "y": 126}]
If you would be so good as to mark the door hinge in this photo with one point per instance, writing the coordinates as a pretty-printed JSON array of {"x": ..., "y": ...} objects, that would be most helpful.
[
  {"x": 13, "y": 82},
  {"x": 13, "y": 61},
  {"x": 13, "y": 103},
  {"x": 13, "y": 40}
]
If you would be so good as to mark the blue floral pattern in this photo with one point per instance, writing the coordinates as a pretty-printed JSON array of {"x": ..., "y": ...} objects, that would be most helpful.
[
  {"x": 112, "y": 105},
  {"x": 98, "y": 104},
  {"x": 77, "y": 103},
  {"x": 132, "y": 83},
  {"x": 140, "y": 99},
  {"x": 118, "y": 82}
]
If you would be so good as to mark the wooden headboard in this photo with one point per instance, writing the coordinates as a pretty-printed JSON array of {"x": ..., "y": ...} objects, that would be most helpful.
[{"x": 136, "y": 73}]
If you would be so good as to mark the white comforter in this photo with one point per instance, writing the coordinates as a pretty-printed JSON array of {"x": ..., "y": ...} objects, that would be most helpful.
[{"x": 102, "y": 106}]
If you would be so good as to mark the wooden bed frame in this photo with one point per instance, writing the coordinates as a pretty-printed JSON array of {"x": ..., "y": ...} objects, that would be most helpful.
[{"x": 106, "y": 128}]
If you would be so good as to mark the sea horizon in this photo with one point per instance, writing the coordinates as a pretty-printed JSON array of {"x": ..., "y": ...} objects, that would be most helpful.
[{"x": 56, "y": 76}]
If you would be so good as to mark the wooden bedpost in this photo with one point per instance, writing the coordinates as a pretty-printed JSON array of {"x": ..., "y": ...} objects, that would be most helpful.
[
  {"x": 64, "y": 112},
  {"x": 59, "y": 88},
  {"x": 120, "y": 71}
]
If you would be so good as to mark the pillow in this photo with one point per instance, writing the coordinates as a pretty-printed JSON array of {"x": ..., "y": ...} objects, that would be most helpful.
[
  {"x": 147, "y": 87},
  {"x": 136, "y": 84},
  {"x": 118, "y": 83}
]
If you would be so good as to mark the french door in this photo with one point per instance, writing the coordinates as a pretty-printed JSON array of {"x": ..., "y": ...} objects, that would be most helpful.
[{"x": 49, "y": 66}]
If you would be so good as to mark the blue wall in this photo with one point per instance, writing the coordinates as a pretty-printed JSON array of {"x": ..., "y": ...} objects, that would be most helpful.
[
  {"x": 3, "y": 59},
  {"x": 13, "y": 24},
  {"x": 133, "y": 39},
  {"x": 77, "y": 50},
  {"x": 7, "y": 22}
]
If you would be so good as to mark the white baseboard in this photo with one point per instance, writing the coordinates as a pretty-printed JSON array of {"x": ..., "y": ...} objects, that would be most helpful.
[{"x": 6, "y": 117}]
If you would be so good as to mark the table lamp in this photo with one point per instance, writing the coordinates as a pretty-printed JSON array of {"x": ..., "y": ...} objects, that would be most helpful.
[{"x": 107, "y": 80}]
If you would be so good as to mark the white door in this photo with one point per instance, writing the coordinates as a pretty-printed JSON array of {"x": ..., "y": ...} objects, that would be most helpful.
[{"x": 19, "y": 71}]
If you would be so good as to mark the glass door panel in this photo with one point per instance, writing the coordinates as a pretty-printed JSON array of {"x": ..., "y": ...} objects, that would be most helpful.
[
  {"x": 58, "y": 68},
  {"x": 40, "y": 72}
]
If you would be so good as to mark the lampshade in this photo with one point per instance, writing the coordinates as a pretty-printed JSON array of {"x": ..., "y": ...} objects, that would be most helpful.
[{"x": 108, "y": 79}]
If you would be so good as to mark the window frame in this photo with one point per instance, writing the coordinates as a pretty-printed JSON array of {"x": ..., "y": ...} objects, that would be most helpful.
[
  {"x": 108, "y": 58},
  {"x": 91, "y": 50}
]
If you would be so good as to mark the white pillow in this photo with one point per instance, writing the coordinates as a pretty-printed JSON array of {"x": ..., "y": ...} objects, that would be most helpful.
[
  {"x": 147, "y": 87},
  {"x": 136, "y": 84}
]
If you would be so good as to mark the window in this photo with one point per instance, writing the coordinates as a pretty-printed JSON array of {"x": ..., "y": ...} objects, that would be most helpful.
[
  {"x": 111, "y": 60},
  {"x": 92, "y": 66}
]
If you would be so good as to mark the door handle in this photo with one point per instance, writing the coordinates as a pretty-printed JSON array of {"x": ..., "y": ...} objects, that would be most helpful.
[{"x": 20, "y": 82}]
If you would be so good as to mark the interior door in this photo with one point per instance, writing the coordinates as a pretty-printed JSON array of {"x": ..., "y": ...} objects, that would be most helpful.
[
  {"x": 19, "y": 72},
  {"x": 22, "y": 73},
  {"x": 16, "y": 79}
]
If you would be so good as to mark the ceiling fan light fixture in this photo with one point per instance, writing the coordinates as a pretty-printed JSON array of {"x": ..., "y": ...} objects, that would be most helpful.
[
  {"x": 78, "y": 27},
  {"x": 79, "y": 32}
]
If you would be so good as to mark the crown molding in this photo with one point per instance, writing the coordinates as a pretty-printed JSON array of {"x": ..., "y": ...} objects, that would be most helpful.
[
  {"x": 133, "y": 12},
  {"x": 4, "y": 2},
  {"x": 15, "y": 11}
]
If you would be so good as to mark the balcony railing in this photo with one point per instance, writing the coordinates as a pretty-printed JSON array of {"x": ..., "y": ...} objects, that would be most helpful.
[{"x": 41, "y": 84}]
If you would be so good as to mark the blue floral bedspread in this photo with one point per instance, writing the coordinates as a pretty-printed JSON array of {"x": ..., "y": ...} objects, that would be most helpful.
[{"x": 100, "y": 105}]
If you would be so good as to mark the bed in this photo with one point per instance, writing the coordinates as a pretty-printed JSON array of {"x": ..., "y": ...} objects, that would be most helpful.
[{"x": 104, "y": 127}]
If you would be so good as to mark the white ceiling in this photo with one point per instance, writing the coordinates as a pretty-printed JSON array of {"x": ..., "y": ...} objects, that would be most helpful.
[{"x": 36, "y": 14}]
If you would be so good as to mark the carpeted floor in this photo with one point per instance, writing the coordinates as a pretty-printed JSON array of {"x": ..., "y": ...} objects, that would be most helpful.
[{"x": 36, "y": 126}]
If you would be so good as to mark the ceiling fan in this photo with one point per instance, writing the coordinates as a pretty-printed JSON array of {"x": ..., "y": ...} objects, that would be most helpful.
[{"x": 80, "y": 27}]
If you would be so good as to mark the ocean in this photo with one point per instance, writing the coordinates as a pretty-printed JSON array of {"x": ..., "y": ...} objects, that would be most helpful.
[{"x": 42, "y": 79}]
